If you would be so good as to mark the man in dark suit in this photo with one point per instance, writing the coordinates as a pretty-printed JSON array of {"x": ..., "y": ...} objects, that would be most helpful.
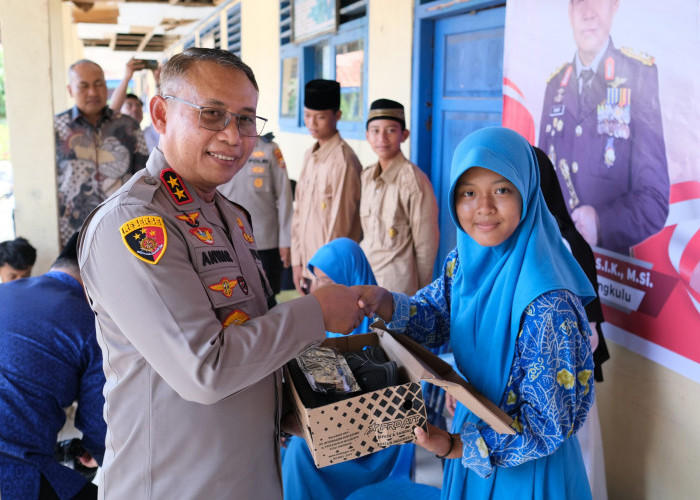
[{"x": 601, "y": 127}]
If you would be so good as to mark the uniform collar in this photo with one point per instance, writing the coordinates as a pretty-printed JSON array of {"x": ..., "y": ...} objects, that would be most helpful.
[
  {"x": 75, "y": 114},
  {"x": 596, "y": 61},
  {"x": 322, "y": 152},
  {"x": 189, "y": 199},
  {"x": 390, "y": 173}
]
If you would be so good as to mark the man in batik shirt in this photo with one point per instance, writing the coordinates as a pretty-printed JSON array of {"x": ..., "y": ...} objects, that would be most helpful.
[{"x": 97, "y": 150}]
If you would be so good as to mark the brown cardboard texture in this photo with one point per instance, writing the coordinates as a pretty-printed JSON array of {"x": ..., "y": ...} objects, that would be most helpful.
[
  {"x": 426, "y": 366},
  {"x": 367, "y": 423}
]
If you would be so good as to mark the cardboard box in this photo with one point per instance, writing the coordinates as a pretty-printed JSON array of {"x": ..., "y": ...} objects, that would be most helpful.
[{"x": 367, "y": 423}]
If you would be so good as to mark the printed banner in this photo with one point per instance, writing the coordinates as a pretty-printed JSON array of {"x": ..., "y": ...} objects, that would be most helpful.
[{"x": 616, "y": 110}]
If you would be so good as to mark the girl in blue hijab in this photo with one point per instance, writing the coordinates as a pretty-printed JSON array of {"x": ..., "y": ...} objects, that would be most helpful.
[
  {"x": 340, "y": 261},
  {"x": 510, "y": 303}
]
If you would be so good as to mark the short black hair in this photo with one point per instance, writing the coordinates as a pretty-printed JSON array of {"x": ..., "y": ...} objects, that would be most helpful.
[
  {"x": 18, "y": 253},
  {"x": 69, "y": 255},
  {"x": 133, "y": 96}
]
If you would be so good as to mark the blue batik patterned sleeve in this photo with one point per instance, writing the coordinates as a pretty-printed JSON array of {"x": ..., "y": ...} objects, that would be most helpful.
[
  {"x": 425, "y": 317},
  {"x": 550, "y": 388}
]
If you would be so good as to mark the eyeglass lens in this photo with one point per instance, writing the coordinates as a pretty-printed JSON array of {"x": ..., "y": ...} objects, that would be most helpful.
[{"x": 218, "y": 119}]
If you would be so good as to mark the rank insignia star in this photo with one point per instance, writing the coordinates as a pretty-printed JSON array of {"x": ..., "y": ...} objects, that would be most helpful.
[
  {"x": 175, "y": 186},
  {"x": 145, "y": 237},
  {"x": 190, "y": 219},
  {"x": 224, "y": 286},
  {"x": 204, "y": 234}
]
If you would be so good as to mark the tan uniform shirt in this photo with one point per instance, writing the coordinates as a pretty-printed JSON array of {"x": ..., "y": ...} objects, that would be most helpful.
[
  {"x": 192, "y": 405},
  {"x": 262, "y": 187},
  {"x": 327, "y": 200},
  {"x": 400, "y": 225}
]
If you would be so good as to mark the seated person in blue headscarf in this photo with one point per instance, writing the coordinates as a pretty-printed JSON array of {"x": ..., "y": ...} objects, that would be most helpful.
[
  {"x": 510, "y": 301},
  {"x": 340, "y": 261}
]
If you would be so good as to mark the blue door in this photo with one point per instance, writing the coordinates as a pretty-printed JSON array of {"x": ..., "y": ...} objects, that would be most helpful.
[{"x": 467, "y": 95}]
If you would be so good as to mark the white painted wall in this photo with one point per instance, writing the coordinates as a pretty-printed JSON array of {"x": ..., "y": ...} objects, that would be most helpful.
[{"x": 29, "y": 68}]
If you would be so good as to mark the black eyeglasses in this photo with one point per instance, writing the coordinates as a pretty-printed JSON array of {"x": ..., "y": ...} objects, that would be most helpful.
[{"x": 218, "y": 119}]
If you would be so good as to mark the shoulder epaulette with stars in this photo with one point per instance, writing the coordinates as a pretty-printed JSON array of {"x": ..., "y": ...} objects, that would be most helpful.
[
  {"x": 175, "y": 186},
  {"x": 642, "y": 57},
  {"x": 557, "y": 71}
]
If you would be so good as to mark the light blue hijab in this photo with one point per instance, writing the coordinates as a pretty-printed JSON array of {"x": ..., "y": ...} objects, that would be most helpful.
[
  {"x": 345, "y": 263},
  {"x": 490, "y": 291},
  {"x": 494, "y": 285}
]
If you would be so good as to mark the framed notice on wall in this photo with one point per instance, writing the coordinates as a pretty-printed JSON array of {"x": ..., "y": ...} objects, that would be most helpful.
[{"x": 311, "y": 18}]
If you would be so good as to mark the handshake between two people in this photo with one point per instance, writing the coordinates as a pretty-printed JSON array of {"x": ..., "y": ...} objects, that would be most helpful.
[{"x": 344, "y": 308}]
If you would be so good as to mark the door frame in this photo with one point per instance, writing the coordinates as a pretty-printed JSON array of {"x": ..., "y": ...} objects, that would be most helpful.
[{"x": 426, "y": 15}]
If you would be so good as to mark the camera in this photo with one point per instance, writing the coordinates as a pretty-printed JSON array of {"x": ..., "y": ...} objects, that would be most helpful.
[{"x": 150, "y": 64}]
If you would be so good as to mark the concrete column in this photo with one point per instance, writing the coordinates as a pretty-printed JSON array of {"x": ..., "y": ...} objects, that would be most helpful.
[{"x": 29, "y": 71}]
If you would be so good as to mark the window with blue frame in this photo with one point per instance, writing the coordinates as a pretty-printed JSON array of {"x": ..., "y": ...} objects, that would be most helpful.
[{"x": 339, "y": 55}]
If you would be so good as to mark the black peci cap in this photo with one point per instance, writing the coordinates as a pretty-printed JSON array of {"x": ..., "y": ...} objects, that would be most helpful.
[
  {"x": 386, "y": 109},
  {"x": 322, "y": 94}
]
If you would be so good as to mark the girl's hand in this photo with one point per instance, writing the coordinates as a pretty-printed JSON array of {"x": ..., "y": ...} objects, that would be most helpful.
[{"x": 439, "y": 442}]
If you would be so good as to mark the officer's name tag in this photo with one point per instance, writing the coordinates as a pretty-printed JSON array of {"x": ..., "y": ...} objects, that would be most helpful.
[{"x": 557, "y": 110}]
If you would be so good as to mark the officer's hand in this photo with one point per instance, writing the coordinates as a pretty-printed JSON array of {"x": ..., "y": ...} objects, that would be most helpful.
[
  {"x": 339, "y": 307},
  {"x": 296, "y": 277},
  {"x": 586, "y": 221},
  {"x": 285, "y": 256},
  {"x": 375, "y": 300}
]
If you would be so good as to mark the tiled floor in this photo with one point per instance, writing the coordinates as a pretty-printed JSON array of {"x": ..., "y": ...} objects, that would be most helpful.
[{"x": 428, "y": 468}]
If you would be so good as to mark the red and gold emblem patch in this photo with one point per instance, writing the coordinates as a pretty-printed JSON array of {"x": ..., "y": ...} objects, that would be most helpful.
[
  {"x": 145, "y": 237},
  {"x": 280, "y": 158},
  {"x": 235, "y": 318},
  {"x": 204, "y": 234},
  {"x": 246, "y": 236},
  {"x": 224, "y": 286},
  {"x": 175, "y": 186},
  {"x": 190, "y": 219}
]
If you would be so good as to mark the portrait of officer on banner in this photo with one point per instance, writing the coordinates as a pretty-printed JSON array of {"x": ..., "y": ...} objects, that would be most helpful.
[{"x": 601, "y": 127}]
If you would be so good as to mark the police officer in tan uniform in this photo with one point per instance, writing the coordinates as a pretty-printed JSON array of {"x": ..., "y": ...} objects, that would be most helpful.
[
  {"x": 191, "y": 355},
  {"x": 263, "y": 188},
  {"x": 328, "y": 192},
  {"x": 398, "y": 208}
]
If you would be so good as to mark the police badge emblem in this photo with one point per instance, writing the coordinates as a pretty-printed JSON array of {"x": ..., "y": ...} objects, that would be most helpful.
[
  {"x": 145, "y": 237},
  {"x": 242, "y": 283}
]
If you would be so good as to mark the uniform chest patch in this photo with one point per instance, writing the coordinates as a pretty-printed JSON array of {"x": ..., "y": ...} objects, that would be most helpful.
[
  {"x": 175, "y": 186},
  {"x": 248, "y": 237},
  {"x": 235, "y": 318},
  {"x": 280, "y": 158},
  {"x": 145, "y": 237},
  {"x": 204, "y": 234},
  {"x": 190, "y": 219},
  {"x": 224, "y": 286}
]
